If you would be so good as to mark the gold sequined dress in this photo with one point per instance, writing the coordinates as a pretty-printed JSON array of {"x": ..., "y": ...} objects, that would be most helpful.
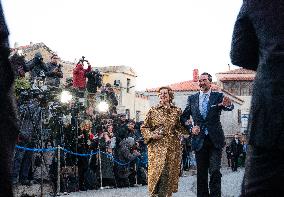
[{"x": 165, "y": 152}]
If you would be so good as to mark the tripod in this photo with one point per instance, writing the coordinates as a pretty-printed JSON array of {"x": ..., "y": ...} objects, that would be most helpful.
[
  {"x": 22, "y": 158},
  {"x": 66, "y": 137},
  {"x": 59, "y": 142},
  {"x": 75, "y": 127},
  {"x": 33, "y": 114}
]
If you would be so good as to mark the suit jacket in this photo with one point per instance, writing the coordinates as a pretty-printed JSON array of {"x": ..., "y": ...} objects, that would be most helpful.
[
  {"x": 211, "y": 122},
  {"x": 258, "y": 44},
  {"x": 236, "y": 148}
]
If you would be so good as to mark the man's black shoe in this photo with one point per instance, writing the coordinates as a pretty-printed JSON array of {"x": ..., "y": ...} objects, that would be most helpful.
[{"x": 26, "y": 182}]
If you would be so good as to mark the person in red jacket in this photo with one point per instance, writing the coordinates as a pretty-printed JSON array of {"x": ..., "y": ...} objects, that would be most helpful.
[{"x": 79, "y": 75}]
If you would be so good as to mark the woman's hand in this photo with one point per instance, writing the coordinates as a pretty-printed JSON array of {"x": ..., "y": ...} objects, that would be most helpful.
[
  {"x": 156, "y": 136},
  {"x": 159, "y": 130}
]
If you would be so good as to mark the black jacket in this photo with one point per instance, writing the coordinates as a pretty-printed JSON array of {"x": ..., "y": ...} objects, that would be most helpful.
[
  {"x": 8, "y": 126},
  {"x": 94, "y": 81},
  {"x": 53, "y": 78},
  {"x": 258, "y": 44},
  {"x": 36, "y": 69},
  {"x": 211, "y": 122},
  {"x": 236, "y": 148}
]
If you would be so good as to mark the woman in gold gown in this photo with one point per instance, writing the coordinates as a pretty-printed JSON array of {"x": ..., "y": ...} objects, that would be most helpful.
[{"x": 161, "y": 131}]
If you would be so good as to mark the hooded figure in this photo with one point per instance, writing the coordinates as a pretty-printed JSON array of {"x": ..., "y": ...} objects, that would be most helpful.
[
  {"x": 126, "y": 154},
  {"x": 36, "y": 67}
]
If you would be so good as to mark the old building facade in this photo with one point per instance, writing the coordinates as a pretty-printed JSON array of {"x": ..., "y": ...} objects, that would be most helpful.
[
  {"x": 123, "y": 80},
  {"x": 239, "y": 82}
]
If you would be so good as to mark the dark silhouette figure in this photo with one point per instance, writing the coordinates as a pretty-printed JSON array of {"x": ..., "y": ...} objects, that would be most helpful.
[
  {"x": 236, "y": 150},
  {"x": 258, "y": 44},
  {"x": 8, "y": 127}
]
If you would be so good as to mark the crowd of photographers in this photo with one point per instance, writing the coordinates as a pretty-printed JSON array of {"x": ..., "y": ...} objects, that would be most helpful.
[{"x": 110, "y": 146}]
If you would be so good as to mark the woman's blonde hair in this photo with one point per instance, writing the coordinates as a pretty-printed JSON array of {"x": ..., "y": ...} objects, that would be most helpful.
[{"x": 170, "y": 91}]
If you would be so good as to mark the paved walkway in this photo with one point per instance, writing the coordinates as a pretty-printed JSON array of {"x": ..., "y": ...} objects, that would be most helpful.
[{"x": 231, "y": 183}]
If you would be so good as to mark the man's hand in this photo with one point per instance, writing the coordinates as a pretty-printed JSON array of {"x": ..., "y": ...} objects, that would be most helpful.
[
  {"x": 226, "y": 102},
  {"x": 195, "y": 130}
]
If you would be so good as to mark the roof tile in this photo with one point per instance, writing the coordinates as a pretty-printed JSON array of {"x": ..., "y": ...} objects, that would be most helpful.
[
  {"x": 234, "y": 77},
  {"x": 238, "y": 71},
  {"x": 184, "y": 86}
]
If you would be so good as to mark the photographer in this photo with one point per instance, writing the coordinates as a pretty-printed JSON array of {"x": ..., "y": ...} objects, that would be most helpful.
[
  {"x": 54, "y": 72},
  {"x": 36, "y": 67},
  {"x": 85, "y": 145},
  {"x": 94, "y": 80},
  {"x": 79, "y": 74},
  {"x": 127, "y": 152},
  {"x": 139, "y": 137},
  {"x": 106, "y": 144},
  {"x": 18, "y": 63},
  {"x": 121, "y": 128},
  {"x": 29, "y": 113}
]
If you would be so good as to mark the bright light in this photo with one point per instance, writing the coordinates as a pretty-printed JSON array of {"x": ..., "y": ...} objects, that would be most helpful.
[
  {"x": 103, "y": 106},
  {"x": 20, "y": 52},
  {"x": 65, "y": 96}
]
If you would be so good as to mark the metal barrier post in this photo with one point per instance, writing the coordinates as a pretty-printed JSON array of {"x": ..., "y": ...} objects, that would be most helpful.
[
  {"x": 101, "y": 176},
  {"x": 136, "y": 178},
  {"x": 58, "y": 170}
]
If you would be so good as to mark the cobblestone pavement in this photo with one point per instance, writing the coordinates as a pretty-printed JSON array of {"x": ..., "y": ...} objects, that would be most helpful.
[{"x": 231, "y": 184}]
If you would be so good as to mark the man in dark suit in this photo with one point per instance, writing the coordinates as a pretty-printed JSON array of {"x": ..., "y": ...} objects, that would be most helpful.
[
  {"x": 236, "y": 149},
  {"x": 228, "y": 154},
  {"x": 8, "y": 127},
  {"x": 258, "y": 44},
  {"x": 207, "y": 135}
]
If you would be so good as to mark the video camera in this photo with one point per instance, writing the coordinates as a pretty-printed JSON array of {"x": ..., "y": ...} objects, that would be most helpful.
[
  {"x": 83, "y": 59},
  {"x": 58, "y": 108},
  {"x": 84, "y": 62}
]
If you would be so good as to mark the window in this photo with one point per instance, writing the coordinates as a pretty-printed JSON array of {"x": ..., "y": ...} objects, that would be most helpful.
[
  {"x": 239, "y": 116},
  {"x": 245, "y": 88},
  {"x": 116, "y": 83},
  {"x": 128, "y": 85},
  {"x": 232, "y": 87}
]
